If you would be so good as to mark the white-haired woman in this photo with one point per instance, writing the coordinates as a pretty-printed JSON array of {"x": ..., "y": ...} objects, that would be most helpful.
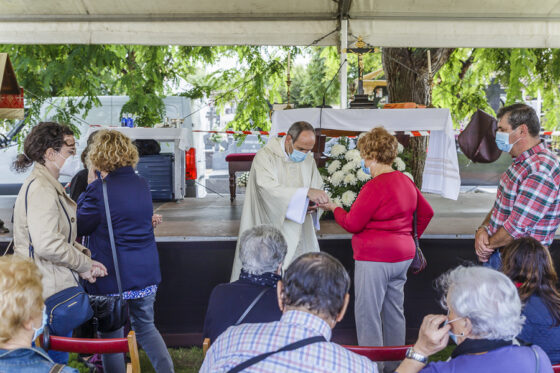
[
  {"x": 262, "y": 252},
  {"x": 484, "y": 316}
]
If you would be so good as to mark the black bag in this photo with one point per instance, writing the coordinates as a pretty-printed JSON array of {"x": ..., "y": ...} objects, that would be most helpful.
[
  {"x": 478, "y": 139},
  {"x": 109, "y": 312},
  {"x": 68, "y": 308},
  {"x": 419, "y": 262}
]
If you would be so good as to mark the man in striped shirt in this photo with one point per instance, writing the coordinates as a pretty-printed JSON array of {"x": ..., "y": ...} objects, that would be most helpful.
[
  {"x": 313, "y": 296},
  {"x": 528, "y": 198}
]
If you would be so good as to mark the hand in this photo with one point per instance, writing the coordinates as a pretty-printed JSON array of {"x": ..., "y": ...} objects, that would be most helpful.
[
  {"x": 87, "y": 275},
  {"x": 330, "y": 206},
  {"x": 432, "y": 338},
  {"x": 481, "y": 243},
  {"x": 156, "y": 220},
  {"x": 98, "y": 269},
  {"x": 318, "y": 196}
]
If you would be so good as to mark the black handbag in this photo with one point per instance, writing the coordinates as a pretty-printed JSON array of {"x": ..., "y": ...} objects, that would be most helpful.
[
  {"x": 68, "y": 308},
  {"x": 109, "y": 312},
  {"x": 419, "y": 262}
]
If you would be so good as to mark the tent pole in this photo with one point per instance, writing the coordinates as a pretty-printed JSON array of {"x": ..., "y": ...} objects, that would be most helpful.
[{"x": 344, "y": 71}]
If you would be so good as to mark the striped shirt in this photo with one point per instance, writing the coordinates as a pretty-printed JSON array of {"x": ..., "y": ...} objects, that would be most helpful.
[
  {"x": 528, "y": 198},
  {"x": 240, "y": 343}
]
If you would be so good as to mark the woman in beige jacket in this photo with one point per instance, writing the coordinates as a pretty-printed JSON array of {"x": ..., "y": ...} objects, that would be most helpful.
[{"x": 50, "y": 219}]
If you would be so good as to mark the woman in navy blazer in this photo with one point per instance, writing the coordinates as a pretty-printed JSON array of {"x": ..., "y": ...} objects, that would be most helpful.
[{"x": 111, "y": 159}]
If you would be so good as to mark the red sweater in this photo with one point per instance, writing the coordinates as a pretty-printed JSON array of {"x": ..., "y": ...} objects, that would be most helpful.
[{"x": 381, "y": 219}]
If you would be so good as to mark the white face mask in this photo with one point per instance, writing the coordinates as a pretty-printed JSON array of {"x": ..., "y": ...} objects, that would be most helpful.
[{"x": 70, "y": 167}]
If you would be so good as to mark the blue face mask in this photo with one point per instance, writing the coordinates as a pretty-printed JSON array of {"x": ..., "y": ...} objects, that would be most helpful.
[
  {"x": 366, "y": 170},
  {"x": 502, "y": 141},
  {"x": 39, "y": 330},
  {"x": 451, "y": 334},
  {"x": 298, "y": 156}
]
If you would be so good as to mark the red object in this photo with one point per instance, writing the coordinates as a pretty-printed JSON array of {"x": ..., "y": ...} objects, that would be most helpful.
[
  {"x": 240, "y": 157},
  {"x": 556, "y": 368},
  {"x": 9, "y": 101},
  {"x": 403, "y": 105},
  {"x": 190, "y": 164},
  {"x": 389, "y": 353},
  {"x": 88, "y": 345},
  {"x": 381, "y": 219}
]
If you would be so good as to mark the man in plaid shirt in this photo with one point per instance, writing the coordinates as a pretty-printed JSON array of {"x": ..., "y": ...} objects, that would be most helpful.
[
  {"x": 528, "y": 198},
  {"x": 313, "y": 296}
]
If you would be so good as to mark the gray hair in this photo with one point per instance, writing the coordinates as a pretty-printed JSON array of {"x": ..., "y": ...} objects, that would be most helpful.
[
  {"x": 297, "y": 128},
  {"x": 487, "y": 298},
  {"x": 262, "y": 249}
]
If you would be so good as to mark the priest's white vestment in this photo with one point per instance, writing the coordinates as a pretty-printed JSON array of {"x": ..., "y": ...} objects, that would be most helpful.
[{"x": 276, "y": 194}]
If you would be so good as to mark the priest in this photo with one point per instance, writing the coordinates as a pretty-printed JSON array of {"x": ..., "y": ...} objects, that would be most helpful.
[{"x": 283, "y": 190}]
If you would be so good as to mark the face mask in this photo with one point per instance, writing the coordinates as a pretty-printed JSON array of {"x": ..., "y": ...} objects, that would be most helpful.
[
  {"x": 297, "y": 156},
  {"x": 451, "y": 334},
  {"x": 39, "y": 330},
  {"x": 502, "y": 141},
  {"x": 366, "y": 170},
  {"x": 70, "y": 167}
]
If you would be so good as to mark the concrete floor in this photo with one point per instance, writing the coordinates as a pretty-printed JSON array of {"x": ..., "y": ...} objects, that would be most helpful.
[{"x": 215, "y": 218}]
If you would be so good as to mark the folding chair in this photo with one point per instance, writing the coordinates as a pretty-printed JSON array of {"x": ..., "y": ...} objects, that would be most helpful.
[
  {"x": 389, "y": 353},
  {"x": 96, "y": 346}
]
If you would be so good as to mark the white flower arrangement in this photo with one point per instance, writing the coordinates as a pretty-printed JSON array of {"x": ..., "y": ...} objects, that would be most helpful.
[
  {"x": 343, "y": 175},
  {"x": 243, "y": 179},
  {"x": 333, "y": 166},
  {"x": 409, "y": 175},
  {"x": 338, "y": 149},
  {"x": 400, "y": 148}
]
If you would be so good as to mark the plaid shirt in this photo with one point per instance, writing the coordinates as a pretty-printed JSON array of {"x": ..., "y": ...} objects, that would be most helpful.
[
  {"x": 240, "y": 343},
  {"x": 528, "y": 200}
]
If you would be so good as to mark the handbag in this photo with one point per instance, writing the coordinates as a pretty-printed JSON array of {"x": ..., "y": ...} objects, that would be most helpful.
[
  {"x": 69, "y": 308},
  {"x": 478, "y": 139},
  {"x": 419, "y": 262},
  {"x": 109, "y": 312}
]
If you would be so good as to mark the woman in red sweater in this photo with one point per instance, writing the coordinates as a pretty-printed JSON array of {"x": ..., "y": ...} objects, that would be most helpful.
[{"x": 381, "y": 221}]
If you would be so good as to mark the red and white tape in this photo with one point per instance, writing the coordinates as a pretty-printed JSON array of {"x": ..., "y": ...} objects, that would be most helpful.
[{"x": 267, "y": 133}]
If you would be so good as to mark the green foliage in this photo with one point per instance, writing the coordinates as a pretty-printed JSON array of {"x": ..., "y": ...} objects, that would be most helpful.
[{"x": 185, "y": 360}]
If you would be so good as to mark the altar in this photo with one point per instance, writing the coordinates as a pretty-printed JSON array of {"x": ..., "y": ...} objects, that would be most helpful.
[{"x": 441, "y": 171}]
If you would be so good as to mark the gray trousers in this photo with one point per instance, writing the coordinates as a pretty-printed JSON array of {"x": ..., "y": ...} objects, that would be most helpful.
[
  {"x": 379, "y": 311},
  {"x": 142, "y": 321}
]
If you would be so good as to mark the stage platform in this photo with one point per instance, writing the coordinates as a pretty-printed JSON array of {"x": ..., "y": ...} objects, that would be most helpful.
[{"x": 196, "y": 244}]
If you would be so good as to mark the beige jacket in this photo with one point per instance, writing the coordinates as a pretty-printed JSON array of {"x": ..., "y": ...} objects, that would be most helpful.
[{"x": 51, "y": 223}]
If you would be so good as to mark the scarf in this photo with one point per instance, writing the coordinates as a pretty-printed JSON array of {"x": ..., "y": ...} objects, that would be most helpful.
[
  {"x": 474, "y": 346},
  {"x": 264, "y": 279}
]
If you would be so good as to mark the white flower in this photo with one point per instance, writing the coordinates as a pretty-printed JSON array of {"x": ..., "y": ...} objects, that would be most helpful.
[
  {"x": 337, "y": 201},
  {"x": 362, "y": 176},
  {"x": 353, "y": 155},
  {"x": 400, "y": 148},
  {"x": 337, "y": 178},
  {"x": 348, "y": 198},
  {"x": 351, "y": 166},
  {"x": 337, "y": 150},
  {"x": 409, "y": 175},
  {"x": 399, "y": 164},
  {"x": 333, "y": 166},
  {"x": 350, "y": 179}
]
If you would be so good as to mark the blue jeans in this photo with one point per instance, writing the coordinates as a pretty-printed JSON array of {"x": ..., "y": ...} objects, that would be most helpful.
[
  {"x": 495, "y": 260},
  {"x": 60, "y": 357},
  {"x": 142, "y": 321}
]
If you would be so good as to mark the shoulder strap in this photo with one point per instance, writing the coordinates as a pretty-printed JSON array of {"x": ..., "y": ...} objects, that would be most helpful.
[
  {"x": 290, "y": 347},
  {"x": 57, "y": 368},
  {"x": 415, "y": 229},
  {"x": 537, "y": 370},
  {"x": 253, "y": 303},
  {"x": 111, "y": 236},
  {"x": 31, "y": 250}
]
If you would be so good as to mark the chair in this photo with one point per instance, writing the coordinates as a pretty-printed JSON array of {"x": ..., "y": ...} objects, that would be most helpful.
[
  {"x": 95, "y": 346},
  {"x": 556, "y": 368},
  {"x": 205, "y": 346},
  {"x": 389, "y": 353},
  {"x": 237, "y": 162}
]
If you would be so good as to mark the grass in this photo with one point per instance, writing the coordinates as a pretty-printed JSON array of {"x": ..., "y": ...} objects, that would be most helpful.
[{"x": 185, "y": 360}]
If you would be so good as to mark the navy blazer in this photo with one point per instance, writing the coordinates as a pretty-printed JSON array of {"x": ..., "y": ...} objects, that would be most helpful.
[
  {"x": 130, "y": 204},
  {"x": 229, "y": 301}
]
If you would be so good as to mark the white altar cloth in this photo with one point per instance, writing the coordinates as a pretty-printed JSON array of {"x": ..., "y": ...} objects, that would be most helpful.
[{"x": 441, "y": 172}]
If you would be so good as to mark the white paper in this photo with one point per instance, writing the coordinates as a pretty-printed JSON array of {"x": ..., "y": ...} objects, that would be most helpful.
[{"x": 297, "y": 209}]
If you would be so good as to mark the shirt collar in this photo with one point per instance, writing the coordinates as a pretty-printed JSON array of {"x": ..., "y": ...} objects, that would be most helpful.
[
  {"x": 308, "y": 321},
  {"x": 527, "y": 153},
  {"x": 42, "y": 171}
]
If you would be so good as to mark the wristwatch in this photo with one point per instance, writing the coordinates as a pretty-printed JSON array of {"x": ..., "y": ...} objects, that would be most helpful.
[{"x": 411, "y": 354}]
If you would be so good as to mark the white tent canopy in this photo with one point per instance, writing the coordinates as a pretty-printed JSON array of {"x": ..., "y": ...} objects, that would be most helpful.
[{"x": 396, "y": 23}]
